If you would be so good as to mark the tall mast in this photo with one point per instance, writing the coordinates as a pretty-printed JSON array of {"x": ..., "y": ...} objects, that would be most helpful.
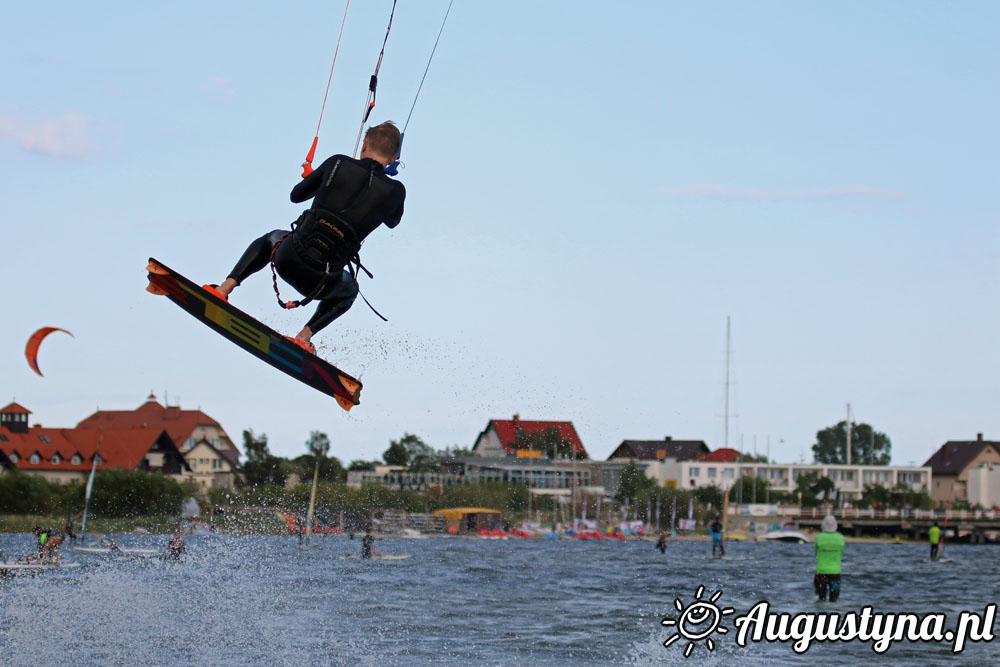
[
  {"x": 725, "y": 439},
  {"x": 848, "y": 434}
]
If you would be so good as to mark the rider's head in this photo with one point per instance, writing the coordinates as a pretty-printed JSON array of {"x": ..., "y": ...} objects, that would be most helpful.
[{"x": 382, "y": 142}]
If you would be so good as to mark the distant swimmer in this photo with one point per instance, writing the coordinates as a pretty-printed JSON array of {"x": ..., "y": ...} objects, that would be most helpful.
[
  {"x": 715, "y": 530},
  {"x": 829, "y": 547},
  {"x": 368, "y": 545},
  {"x": 176, "y": 547},
  {"x": 661, "y": 544},
  {"x": 935, "y": 537}
]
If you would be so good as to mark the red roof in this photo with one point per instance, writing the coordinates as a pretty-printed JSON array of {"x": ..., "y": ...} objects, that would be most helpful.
[
  {"x": 507, "y": 429},
  {"x": 119, "y": 448},
  {"x": 179, "y": 424},
  {"x": 722, "y": 455},
  {"x": 15, "y": 409}
]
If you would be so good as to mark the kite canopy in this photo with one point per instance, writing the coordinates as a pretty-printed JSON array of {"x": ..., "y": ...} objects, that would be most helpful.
[{"x": 31, "y": 349}]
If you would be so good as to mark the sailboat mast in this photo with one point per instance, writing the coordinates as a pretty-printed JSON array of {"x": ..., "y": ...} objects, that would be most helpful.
[{"x": 90, "y": 485}]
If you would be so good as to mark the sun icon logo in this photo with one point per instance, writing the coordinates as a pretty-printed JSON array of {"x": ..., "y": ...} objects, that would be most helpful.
[{"x": 697, "y": 621}]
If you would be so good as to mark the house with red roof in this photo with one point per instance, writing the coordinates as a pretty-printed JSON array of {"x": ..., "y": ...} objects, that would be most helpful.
[
  {"x": 217, "y": 460},
  {"x": 497, "y": 439},
  {"x": 65, "y": 455},
  {"x": 722, "y": 455}
]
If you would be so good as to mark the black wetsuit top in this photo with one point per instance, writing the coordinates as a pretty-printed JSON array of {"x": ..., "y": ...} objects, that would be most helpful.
[{"x": 356, "y": 190}]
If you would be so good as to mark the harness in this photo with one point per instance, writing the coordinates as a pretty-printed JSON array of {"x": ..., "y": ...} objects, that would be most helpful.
[{"x": 326, "y": 241}]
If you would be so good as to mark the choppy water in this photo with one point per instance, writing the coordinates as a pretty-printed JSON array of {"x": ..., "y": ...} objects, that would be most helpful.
[{"x": 249, "y": 600}]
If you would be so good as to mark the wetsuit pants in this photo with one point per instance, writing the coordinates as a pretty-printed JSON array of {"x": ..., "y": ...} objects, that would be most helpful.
[
  {"x": 337, "y": 295},
  {"x": 717, "y": 544},
  {"x": 827, "y": 584},
  {"x": 934, "y": 551}
]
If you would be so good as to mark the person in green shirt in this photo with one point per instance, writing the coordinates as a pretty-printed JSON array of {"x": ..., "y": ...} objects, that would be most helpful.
[
  {"x": 935, "y": 537},
  {"x": 829, "y": 546}
]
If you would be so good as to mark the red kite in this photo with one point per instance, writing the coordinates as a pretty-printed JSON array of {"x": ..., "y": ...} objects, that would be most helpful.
[{"x": 31, "y": 350}]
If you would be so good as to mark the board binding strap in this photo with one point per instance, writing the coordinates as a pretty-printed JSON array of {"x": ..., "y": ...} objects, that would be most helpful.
[{"x": 256, "y": 338}]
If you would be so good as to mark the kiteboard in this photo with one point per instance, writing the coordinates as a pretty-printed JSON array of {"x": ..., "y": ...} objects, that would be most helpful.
[
  {"x": 35, "y": 566},
  {"x": 380, "y": 557},
  {"x": 258, "y": 339},
  {"x": 106, "y": 550}
]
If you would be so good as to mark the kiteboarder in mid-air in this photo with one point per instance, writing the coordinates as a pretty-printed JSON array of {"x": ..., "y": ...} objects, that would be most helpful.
[{"x": 351, "y": 198}]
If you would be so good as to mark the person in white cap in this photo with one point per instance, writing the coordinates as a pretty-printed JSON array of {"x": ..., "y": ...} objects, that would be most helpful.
[{"x": 829, "y": 550}]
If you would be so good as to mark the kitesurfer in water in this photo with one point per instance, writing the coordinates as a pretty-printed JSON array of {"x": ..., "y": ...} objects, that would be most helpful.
[
  {"x": 829, "y": 546},
  {"x": 368, "y": 545},
  {"x": 715, "y": 530},
  {"x": 661, "y": 544},
  {"x": 351, "y": 198},
  {"x": 175, "y": 549},
  {"x": 934, "y": 534},
  {"x": 49, "y": 542}
]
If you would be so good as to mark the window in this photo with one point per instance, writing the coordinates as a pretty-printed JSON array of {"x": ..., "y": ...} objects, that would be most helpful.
[
  {"x": 847, "y": 475},
  {"x": 99, "y": 459},
  {"x": 35, "y": 458},
  {"x": 46, "y": 439},
  {"x": 866, "y": 476},
  {"x": 14, "y": 458},
  {"x": 728, "y": 473},
  {"x": 76, "y": 460},
  {"x": 776, "y": 473},
  {"x": 694, "y": 471},
  {"x": 55, "y": 459},
  {"x": 711, "y": 472},
  {"x": 4, "y": 438}
]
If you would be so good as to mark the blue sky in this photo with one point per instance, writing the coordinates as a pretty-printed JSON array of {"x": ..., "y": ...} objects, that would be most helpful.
[{"x": 592, "y": 189}]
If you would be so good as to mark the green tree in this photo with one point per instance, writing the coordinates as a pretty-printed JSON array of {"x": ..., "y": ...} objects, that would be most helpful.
[
  {"x": 814, "y": 490},
  {"x": 455, "y": 451},
  {"x": 396, "y": 455},
  {"x": 549, "y": 442},
  {"x": 330, "y": 467},
  {"x": 633, "y": 481},
  {"x": 412, "y": 452},
  {"x": 868, "y": 446},
  {"x": 261, "y": 466}
]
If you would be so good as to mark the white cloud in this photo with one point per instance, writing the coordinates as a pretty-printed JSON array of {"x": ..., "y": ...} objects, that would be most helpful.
[
  {"x": 726, "y": 192},
  {"x": 64, "y": 137}
]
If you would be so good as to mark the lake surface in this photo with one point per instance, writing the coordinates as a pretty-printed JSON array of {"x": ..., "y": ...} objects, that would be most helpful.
[{"x": 264, "y": 600}]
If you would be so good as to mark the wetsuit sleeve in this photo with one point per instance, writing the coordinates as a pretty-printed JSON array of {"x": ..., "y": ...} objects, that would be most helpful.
[
  {"x": 309, "y": 186},
  {"x": 393, "y": 218}
]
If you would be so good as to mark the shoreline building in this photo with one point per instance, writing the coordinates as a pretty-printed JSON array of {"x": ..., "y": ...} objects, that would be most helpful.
[
  {"x": 185, "y": 444},
  {"x": 65, "y": 455},
  {"x": 952, "y": 463}
]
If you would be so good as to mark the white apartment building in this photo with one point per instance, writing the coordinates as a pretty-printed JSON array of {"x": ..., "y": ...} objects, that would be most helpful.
[{"x": 849, "y": 480}]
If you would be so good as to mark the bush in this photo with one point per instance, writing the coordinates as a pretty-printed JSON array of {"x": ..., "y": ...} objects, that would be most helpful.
[{"x": 126, "y": 493}]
